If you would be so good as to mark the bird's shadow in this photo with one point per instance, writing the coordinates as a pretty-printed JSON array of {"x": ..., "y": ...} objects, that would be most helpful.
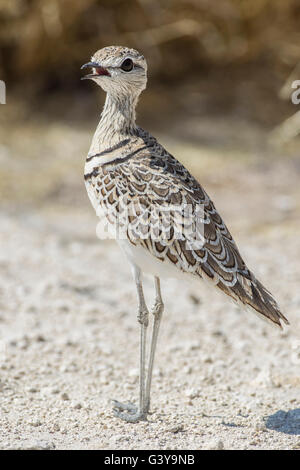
[{"x": 287, "y": 422}]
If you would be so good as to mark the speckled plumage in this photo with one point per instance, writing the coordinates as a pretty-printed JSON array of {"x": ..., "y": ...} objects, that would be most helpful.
[{"x": 132, "y": 181}]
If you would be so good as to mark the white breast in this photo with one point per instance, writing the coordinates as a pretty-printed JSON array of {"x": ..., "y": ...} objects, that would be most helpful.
[{"x": 148, "y": 263}]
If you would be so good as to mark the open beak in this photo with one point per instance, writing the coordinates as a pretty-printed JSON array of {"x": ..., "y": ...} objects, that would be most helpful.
[{"x": 98, "y": 70}]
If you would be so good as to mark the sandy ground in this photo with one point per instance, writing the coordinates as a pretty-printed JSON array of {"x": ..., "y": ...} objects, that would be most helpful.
[{"x": 68, "y": 332}]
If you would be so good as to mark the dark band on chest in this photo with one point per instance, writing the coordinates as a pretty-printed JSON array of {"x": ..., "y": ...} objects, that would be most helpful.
[
  {"x": 109, "y": 150},
  {"x": 119, "y": 160},
  {"x": 95, "y": 172}
]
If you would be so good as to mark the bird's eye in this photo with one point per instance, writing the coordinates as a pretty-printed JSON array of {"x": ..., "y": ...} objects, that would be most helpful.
[{"x": 127, "y": 65}]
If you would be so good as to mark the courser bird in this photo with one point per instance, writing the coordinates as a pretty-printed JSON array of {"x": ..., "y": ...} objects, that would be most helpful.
[{"x": 160, "y": 215}]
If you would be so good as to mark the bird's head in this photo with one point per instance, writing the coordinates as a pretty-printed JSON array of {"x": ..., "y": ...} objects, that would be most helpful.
[{"x": 118, "y": 70}]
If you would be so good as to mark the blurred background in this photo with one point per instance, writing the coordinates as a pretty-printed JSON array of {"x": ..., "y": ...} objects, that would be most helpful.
[
  {"x": 220, "y": 75},
  {"x": 219, "y": 99}
]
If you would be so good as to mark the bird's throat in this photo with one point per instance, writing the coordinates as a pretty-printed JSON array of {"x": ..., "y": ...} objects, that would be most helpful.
[{"x": 117, "y": 118}]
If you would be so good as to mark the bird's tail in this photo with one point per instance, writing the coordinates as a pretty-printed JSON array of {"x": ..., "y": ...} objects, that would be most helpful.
[{"x": 249, "y": 292}]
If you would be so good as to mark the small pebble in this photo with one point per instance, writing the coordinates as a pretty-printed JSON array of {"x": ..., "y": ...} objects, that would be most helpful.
[
  {"x": 176, "y": 429},
  {"x": 215, "y": 445},
  {"x": 77, "y": 406}
]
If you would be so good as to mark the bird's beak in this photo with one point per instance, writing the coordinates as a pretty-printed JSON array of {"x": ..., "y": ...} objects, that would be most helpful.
[
  {"x": 89, "y": 64},
  {"x": 98, "y": 70}
]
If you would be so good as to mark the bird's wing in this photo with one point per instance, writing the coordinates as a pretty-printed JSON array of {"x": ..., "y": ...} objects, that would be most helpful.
[{"x": 169, "y": 214}]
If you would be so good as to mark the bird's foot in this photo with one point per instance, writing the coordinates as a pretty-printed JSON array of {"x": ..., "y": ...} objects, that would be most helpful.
[
  {"x": 157, "y": 309},
  {"x": 130, "y": 407},
  {"x": 128, "y": 412}
]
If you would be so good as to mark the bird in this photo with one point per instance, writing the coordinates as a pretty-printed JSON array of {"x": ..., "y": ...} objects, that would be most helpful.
[{"x": 160, "y": 215}]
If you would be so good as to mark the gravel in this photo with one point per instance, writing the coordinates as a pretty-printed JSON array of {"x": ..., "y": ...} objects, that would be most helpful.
[
  {"x": 69, "y": 338},
  {"x": 69, "y": 345}
]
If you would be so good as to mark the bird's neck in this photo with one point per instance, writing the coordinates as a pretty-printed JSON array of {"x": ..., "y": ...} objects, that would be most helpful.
[{"x": 116, "y": 123}]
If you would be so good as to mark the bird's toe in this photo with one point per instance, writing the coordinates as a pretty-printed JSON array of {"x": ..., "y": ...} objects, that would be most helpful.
[
  {"x": 128, "y": 412},
  {"x": 129, "y": 407}
]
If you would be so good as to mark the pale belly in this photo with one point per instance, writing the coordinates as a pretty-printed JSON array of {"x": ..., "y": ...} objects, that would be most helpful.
[
  {"x": 139, "y": 256},
  {"x": 136, "y": 255}
]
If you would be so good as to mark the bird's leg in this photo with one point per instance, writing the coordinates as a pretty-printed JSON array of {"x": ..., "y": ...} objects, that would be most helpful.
[
  {"x": 128, "y": 411},
  {"x": 157, "y": 311}
]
